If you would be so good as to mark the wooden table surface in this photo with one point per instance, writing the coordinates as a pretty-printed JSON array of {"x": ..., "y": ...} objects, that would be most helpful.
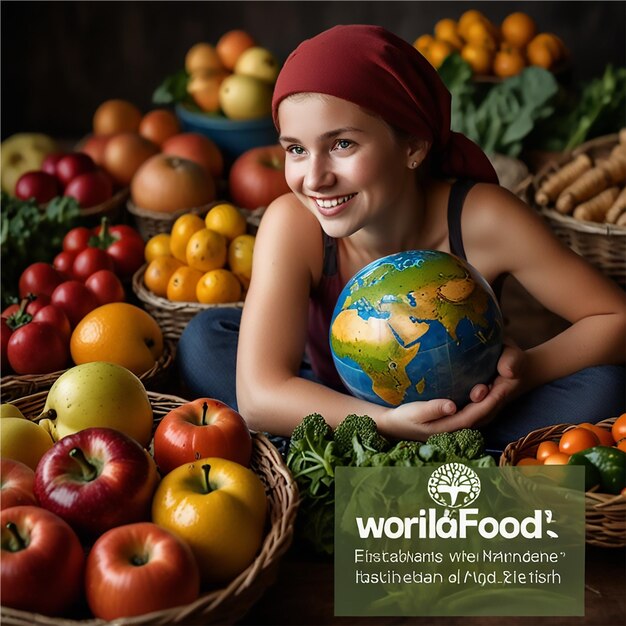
[{"x": 303, "y": 594}]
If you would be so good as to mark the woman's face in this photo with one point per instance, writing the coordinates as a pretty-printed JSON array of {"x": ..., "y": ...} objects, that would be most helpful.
[{"x": 346, "y": 166}]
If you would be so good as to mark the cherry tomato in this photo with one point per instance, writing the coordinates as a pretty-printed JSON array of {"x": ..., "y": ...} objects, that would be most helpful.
[
  {"x": 75, "y": 300},
  {"x": 106, "y": 286},
  {"x": 64, "y": 261},
  {"x": 39, "y": 278},
  {"x": 77, "y": 239},
  {"x": 558, "y": 458},
  {"x": 5, "y": 335},
  {"x": 576, "y": 440},
  {"x": 37, "y": 348},
  {"x": 55, "y": 316},
  {"x": 545, "y": 449},
  {"x": 128, "y": 256},
  {"x": 618, "y": 430},
  {"x": 528, "y": 460},
  {"x": 604, "y": 436},
  {"x": 89, "y": 261}
]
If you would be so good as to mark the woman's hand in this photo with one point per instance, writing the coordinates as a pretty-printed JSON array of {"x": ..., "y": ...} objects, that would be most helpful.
[{"x": 418, "y": 420}]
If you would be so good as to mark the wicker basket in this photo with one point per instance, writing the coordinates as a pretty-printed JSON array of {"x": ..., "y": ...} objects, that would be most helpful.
[
  {"x": 17, "y": 386},
  {"x": 603, "y": 245},
  {"x": 221, "y": 606},
  {"x": 605, "y": 514},
  {"x": 150, "y": 223}
]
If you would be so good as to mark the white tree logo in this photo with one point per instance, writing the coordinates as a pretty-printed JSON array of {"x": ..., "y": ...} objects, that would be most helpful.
[{"x": 454, "y": 485}]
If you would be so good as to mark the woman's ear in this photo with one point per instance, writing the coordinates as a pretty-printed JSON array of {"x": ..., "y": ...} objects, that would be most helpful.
[{"x": 417, "y": 152}]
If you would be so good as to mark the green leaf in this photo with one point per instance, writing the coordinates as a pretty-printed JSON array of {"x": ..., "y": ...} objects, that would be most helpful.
[{"x": 173, "y": 89}]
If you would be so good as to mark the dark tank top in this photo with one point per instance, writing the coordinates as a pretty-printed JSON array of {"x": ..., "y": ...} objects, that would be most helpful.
[{"x": 324, "y": 297}]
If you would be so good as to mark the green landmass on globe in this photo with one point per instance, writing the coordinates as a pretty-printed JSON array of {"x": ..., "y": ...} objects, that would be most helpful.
[{"x": 413, "y": 326}]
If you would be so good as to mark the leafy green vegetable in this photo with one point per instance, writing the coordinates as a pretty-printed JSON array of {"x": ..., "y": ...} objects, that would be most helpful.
[
  {"x": 29, "y": 234},
  {"x": 173, "y": 89},
  {"x": 357, "y": 436}
]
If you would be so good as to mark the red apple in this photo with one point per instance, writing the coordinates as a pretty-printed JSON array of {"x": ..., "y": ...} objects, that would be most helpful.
[
  {"x": 49, "y": 164},
  {"x": 72, "y": 165},
  {"x": 198, "y": 148},
  {"x": 42, "y": 565},
  {"x": 139, "y": 568},
  {"x": 75, "y": 299},
  {"x": 90, "y": 189},
  {"x": 199, "y": 429},
  {"x": 258, "y": 176},
  {"x": 39, "y": 278},
  {"x": 94, "y": 146},
  {"x": 38, "y": 185},
  {"x": 16, "y": 484},
  {"x": 106, "y": 286},
  {"x": 37, "y": 348},
  {"x": 96, "y": 479}
]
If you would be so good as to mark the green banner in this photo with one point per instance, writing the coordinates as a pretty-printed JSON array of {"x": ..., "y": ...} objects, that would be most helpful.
[{"x": 452, "y": 540}]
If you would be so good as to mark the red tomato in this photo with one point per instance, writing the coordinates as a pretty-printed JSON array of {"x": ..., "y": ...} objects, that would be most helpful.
[
  {"x": 75, "y": 299},
  {"x": 12, "y": 308},
  {"x": 55, "y": 316},
  {"x": 139, "y": 568},
  {"x": 39, "y": 278},
  {"x": 618, "y": 430},
  {"x": 128, "y": 256},
  {"x": 576, "y": 440},
  {"x": 16, "y": 483},
  {"x": 5, "y": 335},
  {"x": 63, "y": 263},
  {"x": 89, "y": 261},
  {"x": 106, "y": 286},
  {"x": 37, "y": 348},
  {"x": 200, "y": 429},
  {"x": 77, "y": 239},
  {"x": 604, "y": 436},
  {"x": 42, "y": 561}
]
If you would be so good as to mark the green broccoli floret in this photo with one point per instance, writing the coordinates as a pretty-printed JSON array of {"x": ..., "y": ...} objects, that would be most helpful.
[
  {"x": 405, "y": 453},
  {"x": 314, "y": 427},
  {"x": 467, "y": 443},
  {"x": 356, "y": 437}
]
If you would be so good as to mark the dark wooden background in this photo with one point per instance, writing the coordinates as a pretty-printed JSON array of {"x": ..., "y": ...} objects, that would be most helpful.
[{"x": 61, "y": 59}]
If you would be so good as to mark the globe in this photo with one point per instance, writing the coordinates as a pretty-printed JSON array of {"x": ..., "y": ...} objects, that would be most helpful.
[{"x": 416, "y": 325}]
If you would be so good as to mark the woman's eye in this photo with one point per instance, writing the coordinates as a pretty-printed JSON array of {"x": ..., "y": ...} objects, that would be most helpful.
[
  {"x": 343, "y": 144},
  {"x": 297, "y": 150}
]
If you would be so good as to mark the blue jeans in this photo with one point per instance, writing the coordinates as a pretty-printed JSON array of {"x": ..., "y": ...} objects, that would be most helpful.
[{"x": 207, "y": 353}]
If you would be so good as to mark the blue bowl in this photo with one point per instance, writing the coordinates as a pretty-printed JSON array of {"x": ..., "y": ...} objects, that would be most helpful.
[{"x": 233, "y": 137}]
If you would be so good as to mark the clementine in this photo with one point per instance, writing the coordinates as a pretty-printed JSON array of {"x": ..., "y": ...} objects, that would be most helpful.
[
  {"x": 125, "y": 153},
  {"x": 543, "y": 50},
  {"x": 240, "y": 253},
  {"x": 158, "y": 125},
  {"x": 227, "y": 220},
  {"x": 116, "y": 116},
  {"x": 422, "y": 43},
  {"x": 158, "y": 274},
  {"x": 202, "y": 56},
  {"x": 206, "y": 250},
  {"x": 480, "y": 59},
  {"x": 467, "y": 18},
  {"x": 218, "y": 286},
  {"x": 119, "y": 333},
  {"x": 181, "y": 286},
  {"x": 508, "y": 62},
  {"x": 438, "y": 51},
  {"x": 204, "y": 88},
  {"x": 446, "y": 30},
  {"x": 182, "y": 229},
  {"x": 230, "y": 46},
  {"x": 482, "y": 33},
  {"x": 156, "y": 246},
  {"x": 518, "y": 29}
]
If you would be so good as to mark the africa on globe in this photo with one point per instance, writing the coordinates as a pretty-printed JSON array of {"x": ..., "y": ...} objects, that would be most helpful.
[{"x": 416, "y": 325}]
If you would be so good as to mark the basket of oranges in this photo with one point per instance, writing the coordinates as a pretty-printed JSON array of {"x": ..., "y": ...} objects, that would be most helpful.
[
  {"x": 201, "y": 263},
  {"x": 494, "y": 51},
  {"x": 605, "y": 498}
]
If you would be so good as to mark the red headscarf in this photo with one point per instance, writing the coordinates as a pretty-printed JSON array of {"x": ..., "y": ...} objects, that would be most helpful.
[{"x": 373, "y": 68}]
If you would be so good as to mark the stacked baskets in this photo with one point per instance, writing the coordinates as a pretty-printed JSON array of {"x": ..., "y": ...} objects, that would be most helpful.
[
  {"x": 605, "y": 514},
  {"x": 221, "y": 606}
]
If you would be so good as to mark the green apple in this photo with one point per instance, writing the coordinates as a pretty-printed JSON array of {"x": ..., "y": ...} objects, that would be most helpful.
[
  {"x": 22, "y": 440},
  {"x": 10, "y": 410},
  {"x": 258, "y": 63},
  {"x": 23, "y": 153},
  {"x": 98, "y": 394},
  {"x": 245, "y": 98}
]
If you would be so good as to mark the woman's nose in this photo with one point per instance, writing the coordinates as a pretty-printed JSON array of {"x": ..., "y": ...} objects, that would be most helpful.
[{"x": 319, "y": 174}]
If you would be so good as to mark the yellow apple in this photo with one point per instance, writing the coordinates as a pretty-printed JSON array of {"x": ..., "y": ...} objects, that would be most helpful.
[
  {"x": 245, "y": 98},
  {"x": 258, "y": 63},
  {"x": 22, "y": 440},
  {"x": 10, "y": 410},
  {"x": 22, "y": 153}
]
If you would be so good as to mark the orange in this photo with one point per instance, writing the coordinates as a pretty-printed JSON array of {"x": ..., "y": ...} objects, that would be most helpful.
[
  {"x": 481, "y": 33},
  {"x": 543, "y": 50},
  {"x": 157, "y": 246},
  {"x": 446, "y": 30},
  {"x": 621, "y": 445},
  {"x": 508, "y": 62},
  {"x": 182, "y": 229},
  {"x": 202, "y": 56},
  {"x": 528, "y": 460},
  {"x": 116, "y": 116},
  {"x": 545, "y": 449},
  {"x": 467, "y": 18},
  {"x": 218, "y": 287},
  {"x": 119, "y": 333},
  {"x": 230, "y": 46},
  {"x": 158, "y": 274},
  {"x": 518, "y": 29},
  {"x": 422, "y": 43},
  {"x": 125, "y": 153},
  {"x": 204, "y": 88},
  {"x": 438, "y": 51},
  {"x": 604, "y": 436},
  {"x": 240, "y": 252},
  {"x": 480, "y": 59},
  {"x": 206, "y": 250},
  {"x": 576, "y": 440},
  {"x": 158, "y": 125},
  {"x": 181, "y": 286},
  {"x": 558, "y": 458},
  {"x": 618, "y": 430},
  {"x": 227, "y": 220}
]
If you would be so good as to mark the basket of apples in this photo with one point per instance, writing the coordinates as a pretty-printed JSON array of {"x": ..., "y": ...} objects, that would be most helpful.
[
  {"x": 74, "y": 310},
  {"x": 177, "y": 515}
]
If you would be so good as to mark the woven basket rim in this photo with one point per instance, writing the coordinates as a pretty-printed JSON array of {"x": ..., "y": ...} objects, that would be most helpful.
[
  {"x": 241, "y": 590},
  {"x": 114, "y": 202},
  {"x": 167, "y": 216}
]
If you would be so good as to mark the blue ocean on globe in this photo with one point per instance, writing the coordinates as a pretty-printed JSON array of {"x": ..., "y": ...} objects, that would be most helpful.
[{"x": 416, "y": 325}]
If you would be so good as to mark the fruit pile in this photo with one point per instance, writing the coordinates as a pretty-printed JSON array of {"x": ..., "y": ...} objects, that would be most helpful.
[
  {"x": 90, "y": 518},
  {"x": 235, "y": 76},
  {"x": 201, "y": 260},
  {"x": 493, "y": 50},
  {"x": 602, "y": 452}
]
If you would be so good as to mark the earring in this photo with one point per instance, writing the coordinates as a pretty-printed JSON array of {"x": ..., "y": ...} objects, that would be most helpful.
[{"x": 413, "y": 165}]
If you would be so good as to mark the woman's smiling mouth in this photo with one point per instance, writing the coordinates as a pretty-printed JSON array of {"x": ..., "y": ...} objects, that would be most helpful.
[{"x": 328, "y": 206}]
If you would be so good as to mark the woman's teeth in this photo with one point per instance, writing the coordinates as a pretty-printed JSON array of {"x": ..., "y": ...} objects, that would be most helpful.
[{"x": 329, "y": 204}]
